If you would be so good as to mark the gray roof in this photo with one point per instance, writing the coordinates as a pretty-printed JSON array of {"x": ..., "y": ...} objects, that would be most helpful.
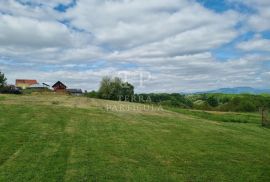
[
  {"x": 75, "y": 91},
  {"x": 36, "y": 86}
]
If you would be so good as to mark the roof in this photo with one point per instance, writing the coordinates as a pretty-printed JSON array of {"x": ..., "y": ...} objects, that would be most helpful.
[
  {"x": 37, "y": 86},
  {"x": 44, "y": 84},
  {"x": 75, "y": 91},
  {"x": 28, "y": 82},
  {"x": 59, "y": 83}
]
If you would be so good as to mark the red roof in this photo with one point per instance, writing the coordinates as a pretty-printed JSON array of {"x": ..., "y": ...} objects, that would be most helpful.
[{"x": 29, "y": 82}]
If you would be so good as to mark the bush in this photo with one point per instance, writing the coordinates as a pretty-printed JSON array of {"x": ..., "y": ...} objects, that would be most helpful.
[
  {"x": 10, "y": 90},
  {"x": 174, "y": 100},
  {"x": 92, "y": 94},
  {"x": 246, "y": 106},
  {"x": 212, "y": 101}
]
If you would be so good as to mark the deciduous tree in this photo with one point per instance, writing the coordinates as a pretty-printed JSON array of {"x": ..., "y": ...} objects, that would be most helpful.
[{"x": 3, "y": 80}]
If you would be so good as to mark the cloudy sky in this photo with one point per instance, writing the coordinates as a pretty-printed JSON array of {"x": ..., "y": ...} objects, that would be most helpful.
[{"x": 158, "y": 45}]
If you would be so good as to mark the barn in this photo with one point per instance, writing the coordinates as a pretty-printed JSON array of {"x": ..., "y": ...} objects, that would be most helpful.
[{"x": 59, "y": 87}]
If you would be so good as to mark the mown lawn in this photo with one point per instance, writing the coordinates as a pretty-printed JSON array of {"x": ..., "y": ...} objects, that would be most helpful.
[
  {"x": 221, "y": 116},
  {"x": 49, "y": 138}
]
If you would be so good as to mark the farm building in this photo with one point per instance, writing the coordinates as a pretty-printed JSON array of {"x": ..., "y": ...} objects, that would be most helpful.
[
  {"x": 76, "y": 92},
  {"x": 59, "y": 87},
  {"x": 21, "y": 83}
]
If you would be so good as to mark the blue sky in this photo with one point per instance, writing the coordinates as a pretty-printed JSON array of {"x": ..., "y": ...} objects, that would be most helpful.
[
  {"x": 225, "y": 5},
  {"x": 159, "y": 46}
]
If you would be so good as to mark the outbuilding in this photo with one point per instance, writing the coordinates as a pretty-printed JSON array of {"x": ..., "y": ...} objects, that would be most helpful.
[
  {"x": 59, "y": 87},
  {"x": 76, "y": 92}
]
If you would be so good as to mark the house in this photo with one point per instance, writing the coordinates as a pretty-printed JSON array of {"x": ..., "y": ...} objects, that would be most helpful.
[
  {"x": 76, "y": 92},
  {"x": 59, "y": 87},
  {"x": 22, "y": 83}
]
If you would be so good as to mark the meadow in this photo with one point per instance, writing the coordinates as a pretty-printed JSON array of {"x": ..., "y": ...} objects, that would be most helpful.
[{"x": 65, "y": 138}]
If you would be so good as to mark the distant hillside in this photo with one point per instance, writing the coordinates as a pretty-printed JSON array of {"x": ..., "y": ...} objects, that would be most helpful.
[{"x": 239, "y": 90}]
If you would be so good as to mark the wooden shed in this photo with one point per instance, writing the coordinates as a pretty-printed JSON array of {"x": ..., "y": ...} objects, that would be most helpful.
[{"x": 59, "y": 87}]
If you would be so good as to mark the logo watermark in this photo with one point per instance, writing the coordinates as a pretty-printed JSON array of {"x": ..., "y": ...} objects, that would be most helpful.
[
  {"x": 141, "y": 77},
  {"x": 134, "y": 103},
  {"x": 133, "y": 108},
  {"x": 130, "y": 101}
]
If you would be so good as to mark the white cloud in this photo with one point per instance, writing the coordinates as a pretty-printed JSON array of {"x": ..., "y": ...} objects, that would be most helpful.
[
  {"x": 255, "y": 44},
  {"x": 183, "y": 73},
  {"x": 259, "y": 20},
  {"x": 171, "y": 40},
  {"x": 26, "y": 32},
  {"x": 127, "y": 24},
  {"x": 41, "y": 10}
]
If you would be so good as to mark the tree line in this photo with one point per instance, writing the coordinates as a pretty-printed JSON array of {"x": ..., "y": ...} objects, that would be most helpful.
[
  {"x": 119, "y": 90},
  {"x": 116, "y": 89}
]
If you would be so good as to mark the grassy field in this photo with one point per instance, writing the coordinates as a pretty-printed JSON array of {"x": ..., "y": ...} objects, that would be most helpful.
[
  {"x": 63, "y": 138},
  {"x": 221, "y": 116}
]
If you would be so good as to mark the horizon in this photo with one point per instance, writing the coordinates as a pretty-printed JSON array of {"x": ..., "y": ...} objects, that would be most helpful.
[{"x": 157, "y": 46}]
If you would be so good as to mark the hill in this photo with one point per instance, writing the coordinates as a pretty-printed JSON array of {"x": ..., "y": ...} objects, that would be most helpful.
[
  {"x": 64, "y": 138},
  {"x": 238, "y": 90}
]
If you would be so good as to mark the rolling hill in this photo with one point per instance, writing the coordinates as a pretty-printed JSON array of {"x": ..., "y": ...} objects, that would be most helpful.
[{"x": 238, "y": 90}]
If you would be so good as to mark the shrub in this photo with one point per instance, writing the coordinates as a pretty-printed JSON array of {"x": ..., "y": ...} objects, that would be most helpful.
[
  {"x": 246, "y": 106},
  {"x": 92, "y": 94},
  {"x": 10, "y": 90},
  {"x": 212, "y": 101}
]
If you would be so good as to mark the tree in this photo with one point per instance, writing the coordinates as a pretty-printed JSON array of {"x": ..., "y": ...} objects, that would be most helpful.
[
  {"x": 127, "y": 91},
  {"x": 104, "y": 91},
  {"x": 3, "y": 80},
  {"x": 115, "y": 89},
  {"x": 212, "y": 101}
]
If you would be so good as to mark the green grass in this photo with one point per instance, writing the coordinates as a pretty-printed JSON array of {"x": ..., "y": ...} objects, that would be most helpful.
[
  {"x": 222, "y": 116},
  {"x": 79, "y": 140},
  {"x": 2, "y": 98}
]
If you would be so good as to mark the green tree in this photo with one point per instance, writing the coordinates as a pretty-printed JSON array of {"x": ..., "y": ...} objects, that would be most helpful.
[
  {"x": 115, "y": 89},
  {"x": 212, "y": 101},
  {"x": 104, "y": 91},
  {"x": 3, "y": 80},
  {"x": 127, "y": 91}
]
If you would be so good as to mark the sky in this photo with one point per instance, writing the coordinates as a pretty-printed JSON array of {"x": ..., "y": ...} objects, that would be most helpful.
[{"x": 157, "y": 45}]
